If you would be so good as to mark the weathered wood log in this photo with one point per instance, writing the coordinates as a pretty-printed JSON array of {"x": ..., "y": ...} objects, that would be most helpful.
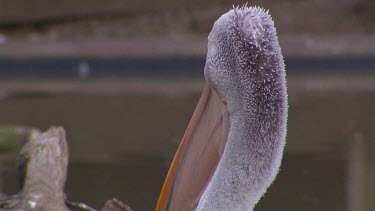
[
  {"x": 116, "y": 205},
  {"x": 43, "y": 163}
]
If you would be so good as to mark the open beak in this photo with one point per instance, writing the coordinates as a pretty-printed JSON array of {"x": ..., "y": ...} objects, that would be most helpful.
[{"x": 198, "y": 154}]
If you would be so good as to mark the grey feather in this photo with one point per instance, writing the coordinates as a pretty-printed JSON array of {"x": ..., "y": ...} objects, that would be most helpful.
[{"x": 244, "y": 63}]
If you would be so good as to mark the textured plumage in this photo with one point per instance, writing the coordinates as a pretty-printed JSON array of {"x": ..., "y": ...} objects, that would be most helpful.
[
  {"x": 245, "y": 65},
  {"x": 246, "y": 75}
]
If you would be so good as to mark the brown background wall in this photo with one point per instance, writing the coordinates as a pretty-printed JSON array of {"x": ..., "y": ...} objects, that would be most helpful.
[
  {"x": 316, "y": 26},
  {"x": 309, "y": 16}
]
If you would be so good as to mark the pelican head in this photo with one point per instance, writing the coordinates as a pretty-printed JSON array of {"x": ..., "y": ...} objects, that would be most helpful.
[{"x": 233, "y": 146}]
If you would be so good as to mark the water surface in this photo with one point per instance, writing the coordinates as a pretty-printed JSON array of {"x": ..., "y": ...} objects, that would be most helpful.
[{"x": 123, "y": 133}]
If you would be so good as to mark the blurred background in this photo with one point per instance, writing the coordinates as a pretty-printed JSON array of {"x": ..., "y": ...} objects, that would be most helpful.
[{"x": 123, "y": 77}]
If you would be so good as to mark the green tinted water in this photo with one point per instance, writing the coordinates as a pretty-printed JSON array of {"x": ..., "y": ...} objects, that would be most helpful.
[{"x": 122, "y": 140}]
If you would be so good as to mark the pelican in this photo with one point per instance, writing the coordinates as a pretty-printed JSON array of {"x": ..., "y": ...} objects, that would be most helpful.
[{"x": 232, "y": 149}]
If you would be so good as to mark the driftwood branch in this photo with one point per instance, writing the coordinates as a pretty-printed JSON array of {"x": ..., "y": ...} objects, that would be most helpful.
[{"x": 43, "y": 163}]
